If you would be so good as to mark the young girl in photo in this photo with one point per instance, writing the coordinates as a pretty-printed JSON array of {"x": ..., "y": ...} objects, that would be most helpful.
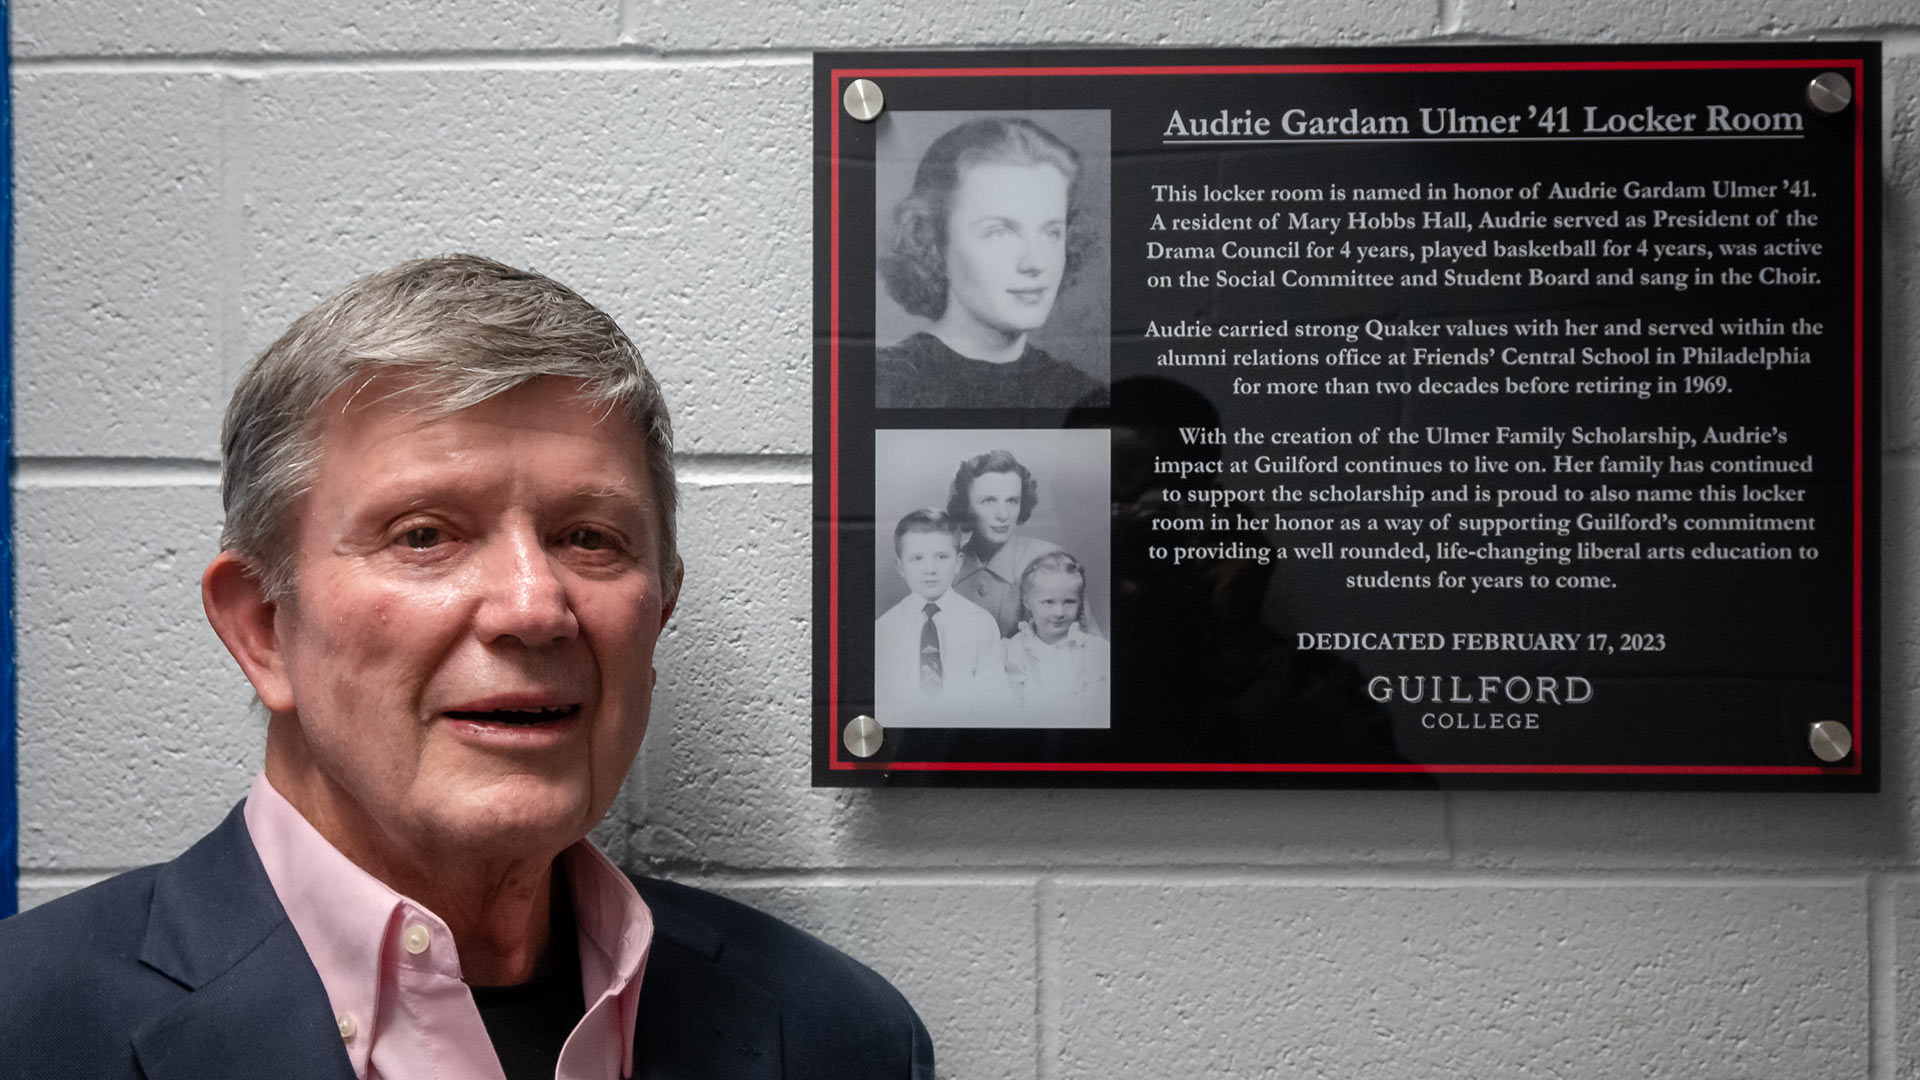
[{"x": 1059, "y": 666}]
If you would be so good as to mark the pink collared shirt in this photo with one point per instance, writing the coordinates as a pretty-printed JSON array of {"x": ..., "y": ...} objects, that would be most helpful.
[{"x": 392, "y": 975}]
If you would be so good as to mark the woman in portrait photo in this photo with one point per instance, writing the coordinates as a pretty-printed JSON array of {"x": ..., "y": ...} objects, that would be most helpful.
[
  {"x": 981, "y": 247},
  {"x": 993, "y": 495}
]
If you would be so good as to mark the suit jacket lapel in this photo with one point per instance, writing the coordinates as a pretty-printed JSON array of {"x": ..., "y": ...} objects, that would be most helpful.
[
  {"x": 696, "y": 1018},
  {"x": 256, "y": 1006}
]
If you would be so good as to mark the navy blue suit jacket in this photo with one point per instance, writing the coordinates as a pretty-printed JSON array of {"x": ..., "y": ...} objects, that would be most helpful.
[{"x": 190, "y": 971}]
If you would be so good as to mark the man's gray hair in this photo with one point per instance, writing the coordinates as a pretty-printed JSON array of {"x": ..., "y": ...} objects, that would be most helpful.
[{"x": 458, "y": 329}]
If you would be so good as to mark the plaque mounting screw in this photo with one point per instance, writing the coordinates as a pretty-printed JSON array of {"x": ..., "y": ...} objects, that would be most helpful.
[
  {"x": 1830, "y": 92},
  {"x": 1830, "y": 741},
  {"x": 862, "y": 736},
  {"x": 864, "y": 100}
]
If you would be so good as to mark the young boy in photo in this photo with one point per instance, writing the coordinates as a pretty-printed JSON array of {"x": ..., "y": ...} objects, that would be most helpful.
[
  {"x": 936, "y": 655},
  {"x": 1061, "y": 670}
]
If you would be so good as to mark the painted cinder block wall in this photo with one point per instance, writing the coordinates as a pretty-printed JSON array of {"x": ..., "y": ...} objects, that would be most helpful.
[{"x": 190, "y": 174}]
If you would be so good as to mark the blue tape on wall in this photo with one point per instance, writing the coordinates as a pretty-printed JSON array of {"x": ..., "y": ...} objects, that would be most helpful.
[{"x": 9, "y": 773}]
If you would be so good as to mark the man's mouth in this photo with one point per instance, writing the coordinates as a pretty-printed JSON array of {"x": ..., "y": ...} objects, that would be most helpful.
[{"x": 517, "y": 717}]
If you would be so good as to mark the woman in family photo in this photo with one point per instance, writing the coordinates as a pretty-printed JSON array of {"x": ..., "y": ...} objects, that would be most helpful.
[
  {"x": 992, "y": 495},
  {"x": 982, "y": 246}
]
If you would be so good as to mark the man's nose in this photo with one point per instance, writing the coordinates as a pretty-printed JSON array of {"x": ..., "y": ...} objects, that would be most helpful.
[{"x": 526, "y": 598}]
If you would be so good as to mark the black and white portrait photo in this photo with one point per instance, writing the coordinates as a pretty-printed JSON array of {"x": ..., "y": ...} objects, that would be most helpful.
[
  {"x": 992, "y": 255},
  {"x": 992, "y": 579}
]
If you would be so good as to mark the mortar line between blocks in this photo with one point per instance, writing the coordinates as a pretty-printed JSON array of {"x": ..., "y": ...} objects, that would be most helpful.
[
  {"x": 261, "y": 66},
  {"x": 1883, "y": 985},
  {"x": 1046, "y": 997},
  {"x": 30, "y": 473},
  {"x": 227, "y": 242},
  {"x": 1439, "y": 877},
  {"x": 1452, "y": 824},
  {"x": 717, "y": 470},
  {"x": 77, "y": 879},
  {"x": 623, "y": 22}
]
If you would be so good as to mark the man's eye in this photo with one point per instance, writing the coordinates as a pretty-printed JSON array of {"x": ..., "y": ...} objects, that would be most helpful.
[
  {"x": 425, "y": 536},
  {"x": 589, "y": 539}
]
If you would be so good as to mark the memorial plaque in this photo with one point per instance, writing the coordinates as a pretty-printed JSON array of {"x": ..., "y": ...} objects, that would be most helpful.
[{"x": 1469, "y": 417}]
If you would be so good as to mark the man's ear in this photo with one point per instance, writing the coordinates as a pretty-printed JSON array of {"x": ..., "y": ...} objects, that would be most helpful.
[
  {"x": 672, "y": 595},
  {"x": 237, "y": 606}
]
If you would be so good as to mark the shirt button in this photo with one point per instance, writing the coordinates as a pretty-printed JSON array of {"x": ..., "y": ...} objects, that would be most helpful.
[
  {"x": 347, "y": 1026},
  {"x": 416, "y": 939}
]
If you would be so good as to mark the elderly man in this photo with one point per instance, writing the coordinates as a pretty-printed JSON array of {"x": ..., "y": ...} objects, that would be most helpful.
[{"x": 449, "y": 552}]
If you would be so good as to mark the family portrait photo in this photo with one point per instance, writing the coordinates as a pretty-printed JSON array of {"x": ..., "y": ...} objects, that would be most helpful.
[{"x": 992, "y": 578}]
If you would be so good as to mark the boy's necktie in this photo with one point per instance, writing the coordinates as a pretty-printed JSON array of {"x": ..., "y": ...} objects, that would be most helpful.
[{"x": 931, "y": 672}]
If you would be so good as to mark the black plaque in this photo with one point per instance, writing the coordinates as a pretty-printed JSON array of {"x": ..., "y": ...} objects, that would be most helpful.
[{"x": 1466, "y": 417}]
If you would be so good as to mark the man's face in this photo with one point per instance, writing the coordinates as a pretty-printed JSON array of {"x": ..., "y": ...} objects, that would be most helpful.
[
  {"x": 470, "y": 647},
  {"x": 994, "y": 499},
  {"x": 928, "y": 561}
]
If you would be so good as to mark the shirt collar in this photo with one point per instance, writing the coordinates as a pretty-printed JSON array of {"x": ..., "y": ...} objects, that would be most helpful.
[
  {"x": 345, "y": 916},
  {"x": 616, "y": 934}
]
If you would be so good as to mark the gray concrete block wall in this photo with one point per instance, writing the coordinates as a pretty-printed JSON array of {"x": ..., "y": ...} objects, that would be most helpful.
[{"x": 189, "y": 176}]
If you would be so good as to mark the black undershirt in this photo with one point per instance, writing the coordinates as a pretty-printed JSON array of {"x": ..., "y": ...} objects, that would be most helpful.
[{"x": 530, "y": 1022}]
